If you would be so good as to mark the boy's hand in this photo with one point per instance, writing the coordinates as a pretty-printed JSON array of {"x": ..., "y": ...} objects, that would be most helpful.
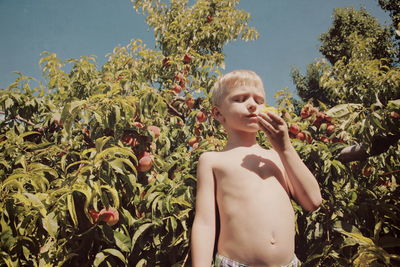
[{"x": 276, "y": 130}]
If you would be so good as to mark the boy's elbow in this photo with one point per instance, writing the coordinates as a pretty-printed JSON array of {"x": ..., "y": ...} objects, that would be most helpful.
[{"x": 314, "y": 203}]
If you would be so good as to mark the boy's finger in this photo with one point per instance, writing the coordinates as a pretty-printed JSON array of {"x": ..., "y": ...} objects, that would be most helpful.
[
  {"x": 268, "y": 126},
  {"x": 266, "y": 131},
  {"x": 275, "y": 117},
  {"x": 269, "y": 120}
]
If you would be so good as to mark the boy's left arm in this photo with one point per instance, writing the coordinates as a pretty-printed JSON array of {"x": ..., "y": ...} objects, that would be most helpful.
[{"x": 304, "y": 186}]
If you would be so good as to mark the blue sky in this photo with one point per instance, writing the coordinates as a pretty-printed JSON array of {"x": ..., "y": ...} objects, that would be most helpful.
[{"x": 289, "y": 31}]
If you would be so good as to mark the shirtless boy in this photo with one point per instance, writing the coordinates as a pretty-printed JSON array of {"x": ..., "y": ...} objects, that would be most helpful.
[{"x": 251, "y": 186}]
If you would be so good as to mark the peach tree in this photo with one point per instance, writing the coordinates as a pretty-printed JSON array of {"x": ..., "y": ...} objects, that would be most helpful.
[
  {"x": 350, "y": 132},
  {"x": 97, "y": 165}
]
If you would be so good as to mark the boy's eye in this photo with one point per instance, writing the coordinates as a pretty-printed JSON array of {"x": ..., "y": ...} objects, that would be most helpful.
[{"x": 239, "y": 99}]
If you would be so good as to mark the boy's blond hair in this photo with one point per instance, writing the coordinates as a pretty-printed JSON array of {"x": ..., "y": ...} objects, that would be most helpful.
[{"x": 231, "y": 80}]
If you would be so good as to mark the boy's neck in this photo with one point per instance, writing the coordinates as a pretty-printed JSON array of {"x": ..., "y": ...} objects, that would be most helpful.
[{"x": 240, "y": 139}]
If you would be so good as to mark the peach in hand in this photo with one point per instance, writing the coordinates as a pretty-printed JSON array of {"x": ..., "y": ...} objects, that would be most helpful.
[{"x": 271, "y": 109}]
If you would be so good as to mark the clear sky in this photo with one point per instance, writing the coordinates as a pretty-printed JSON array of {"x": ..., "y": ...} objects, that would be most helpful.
[{"x": 289, "y": 31}]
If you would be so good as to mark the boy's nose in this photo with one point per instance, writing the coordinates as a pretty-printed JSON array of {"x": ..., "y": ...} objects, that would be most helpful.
[{"x": 252, "y": 106}]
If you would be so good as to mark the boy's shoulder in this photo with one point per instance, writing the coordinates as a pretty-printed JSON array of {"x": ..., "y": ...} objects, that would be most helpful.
[
  {"x": 216, "y": 156},
  {"x": 207, "y": 156}
]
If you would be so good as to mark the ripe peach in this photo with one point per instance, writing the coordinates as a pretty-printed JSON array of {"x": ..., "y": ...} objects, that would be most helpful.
[
  {"x": 320, "y": 116},
  {"x": 192, "y": 141},
  {"x": 304, "y": 114},
  {"x": 145, "y": 162},
  {"x": 337, "y": 140},
  {"x": 324, "y": 139},
  {"x": 309, "y": 138},
  {"x": 394, "y": 115},
  {"x": 138, "y": 124},
  {"x": 294, "y": 129},
  {"x": 306, "y": 111},
  {"x": 301, "y": 136},
  {"x": 94, "y": 215},
  {"x": 367, "y": 171},
  {"x": 187, "y": 58},
  {"x": 330, "y": 128},
  {"x": 86, "y": 131},
  {"x": 179, "y": 77},
  {"x": 318, "y": 121},
  {"x": 190, "y": 102},
  {"x": 266, "y": 109},
  {"x": 201, "y": 117},
  {"x": 110, "y": 216},
  {"x": 328, "y": 119},
  {"x": 197, "y": 130},
  {"x": 155, "y": 130},
  {"x": 177, "y": 88}
]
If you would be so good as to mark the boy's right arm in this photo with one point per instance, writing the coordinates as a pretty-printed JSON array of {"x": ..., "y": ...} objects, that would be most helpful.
[{"x": 203, "y": 230}]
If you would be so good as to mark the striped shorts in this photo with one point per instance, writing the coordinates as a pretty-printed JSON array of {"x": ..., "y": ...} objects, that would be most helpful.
[{"x": 221, "y": 261}]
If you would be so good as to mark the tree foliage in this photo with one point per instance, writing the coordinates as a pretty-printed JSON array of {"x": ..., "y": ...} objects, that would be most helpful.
[
  {"x": 348, "y": 24},
  {"x": 357, "y": 84},
  {"x": 97, "y": 166}
]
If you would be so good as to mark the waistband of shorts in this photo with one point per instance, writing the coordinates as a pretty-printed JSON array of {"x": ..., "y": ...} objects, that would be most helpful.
[
  {"x": 219, "y": 260},
  {"x": 222, "y": 261}
]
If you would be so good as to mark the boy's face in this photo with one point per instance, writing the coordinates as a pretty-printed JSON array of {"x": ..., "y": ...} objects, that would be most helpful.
[{"x": 239, "y": 108}]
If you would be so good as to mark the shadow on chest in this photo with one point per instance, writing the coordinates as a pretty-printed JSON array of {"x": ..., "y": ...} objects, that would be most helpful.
[{"x": 262, "y": 167}]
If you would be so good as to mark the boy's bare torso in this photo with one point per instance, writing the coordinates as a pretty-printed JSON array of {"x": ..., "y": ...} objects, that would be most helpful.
[{"x": 256, "y": 216}]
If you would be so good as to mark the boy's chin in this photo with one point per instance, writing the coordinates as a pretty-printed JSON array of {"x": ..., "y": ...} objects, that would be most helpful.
[{"x": 253, "y": 128}]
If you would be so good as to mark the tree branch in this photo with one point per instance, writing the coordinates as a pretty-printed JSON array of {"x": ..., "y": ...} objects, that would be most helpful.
[
  {"x": 18, "y": 117},
  {"x": 380, "y": 144}
]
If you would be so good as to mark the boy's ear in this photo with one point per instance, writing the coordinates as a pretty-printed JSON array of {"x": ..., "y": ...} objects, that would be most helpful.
[{"x": 216, "y": 113}]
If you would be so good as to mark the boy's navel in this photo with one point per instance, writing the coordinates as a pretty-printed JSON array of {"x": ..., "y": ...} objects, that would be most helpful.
[{"x": 273, "y": 240}]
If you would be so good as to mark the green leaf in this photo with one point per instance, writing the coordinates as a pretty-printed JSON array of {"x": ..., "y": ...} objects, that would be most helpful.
[
  {"x": 114, "y": 194},
  {"x": 140, "y": 231},
  {"x": 100, "y": 142},
  {"x": 122, "y": 241},
  {"x": 116, "y": 253},
  {"x": 141, "y": 263},
  {"x": 342, "y": 110},
  {"x": 394, "y": 103},
  {"x": 37, "y": 203},
  {"x": 28, "y": 134},
  {"x": 78, "y": 163},
  {"x": 50, "y": 224},
  {"x": 99, "y": 258},
  {"x": 71, "y": 209}
]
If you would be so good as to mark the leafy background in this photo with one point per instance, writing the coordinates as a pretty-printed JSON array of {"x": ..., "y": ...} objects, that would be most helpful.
[{"x": 75, "y": 144}]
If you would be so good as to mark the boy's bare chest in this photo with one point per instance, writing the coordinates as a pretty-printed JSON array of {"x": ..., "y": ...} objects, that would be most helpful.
[{"x": 246, "y": 167}]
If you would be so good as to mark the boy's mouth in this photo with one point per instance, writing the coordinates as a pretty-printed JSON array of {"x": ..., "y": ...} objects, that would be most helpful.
[{"x": 253, "y": 117}]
